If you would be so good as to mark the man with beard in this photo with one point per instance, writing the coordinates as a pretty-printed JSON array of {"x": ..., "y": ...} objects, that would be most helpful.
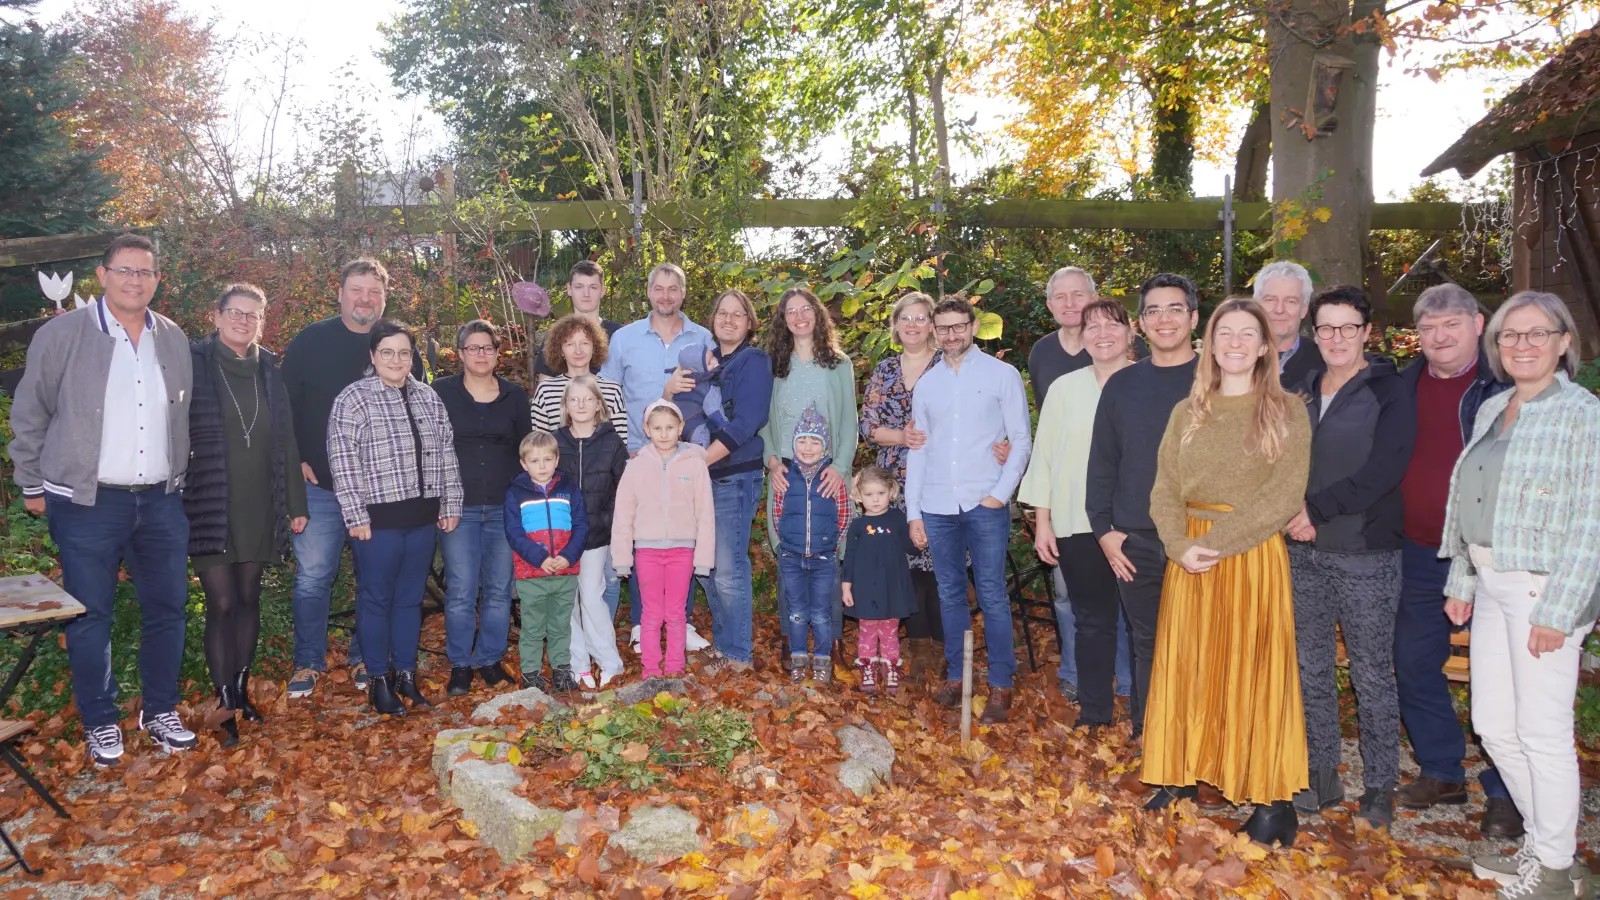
[
  {"x": 1128, "y": 425},
  {"x": 323, "y": 359}
]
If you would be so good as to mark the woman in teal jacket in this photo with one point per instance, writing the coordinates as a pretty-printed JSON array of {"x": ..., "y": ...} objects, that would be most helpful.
[
  {"x": 1522, "y": 532},
  {"x": 808, "y": 369}
]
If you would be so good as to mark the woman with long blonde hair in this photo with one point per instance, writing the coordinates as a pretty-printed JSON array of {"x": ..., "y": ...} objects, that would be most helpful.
[{"x": 1224, "y": 703}]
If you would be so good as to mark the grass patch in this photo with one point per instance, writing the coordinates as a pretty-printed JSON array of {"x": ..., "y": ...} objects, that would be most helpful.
[{"x": 641, "y": 744}]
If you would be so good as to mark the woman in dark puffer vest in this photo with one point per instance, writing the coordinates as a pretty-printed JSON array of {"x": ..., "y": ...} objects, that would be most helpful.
[
  {"x": 594, "y": 456},
  {"x": 244, "y": 491}
]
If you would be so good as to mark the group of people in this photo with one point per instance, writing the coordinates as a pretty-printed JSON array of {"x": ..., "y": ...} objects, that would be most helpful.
[{"x": 1214, "y": 510}]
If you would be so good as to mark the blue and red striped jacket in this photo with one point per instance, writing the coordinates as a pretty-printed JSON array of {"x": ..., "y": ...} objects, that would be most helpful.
[{"x": 544, "y": 522}]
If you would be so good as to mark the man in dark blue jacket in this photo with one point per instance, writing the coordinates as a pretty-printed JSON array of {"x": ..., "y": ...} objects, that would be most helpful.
[{"x": 1449, "y": 384}]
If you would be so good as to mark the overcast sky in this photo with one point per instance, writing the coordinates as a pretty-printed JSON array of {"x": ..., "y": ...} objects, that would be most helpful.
[{"x": 1417, "y": 118}]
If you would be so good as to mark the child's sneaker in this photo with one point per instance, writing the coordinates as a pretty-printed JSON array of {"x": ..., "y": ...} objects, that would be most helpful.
[
  {"x": 891, "y": 675},
  {"x": 562, "y": 681},
  {"x": 535, "y": 680},
  {"x": 633, "y": 640},
  {"x": 799, "y": 667},
  {"x": 586, "y": 680},
  {"x": 869, "y": 678},
  {"x": 822, "y": 669}
]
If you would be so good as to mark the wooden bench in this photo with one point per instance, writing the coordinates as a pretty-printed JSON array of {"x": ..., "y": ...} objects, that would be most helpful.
[{"x": 1456, "y": 668}]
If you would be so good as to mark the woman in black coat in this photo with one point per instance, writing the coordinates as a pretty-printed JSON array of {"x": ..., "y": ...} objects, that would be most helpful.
[
  {"x": 594, "y": 455},
  {"x": 244, "y": 491}
]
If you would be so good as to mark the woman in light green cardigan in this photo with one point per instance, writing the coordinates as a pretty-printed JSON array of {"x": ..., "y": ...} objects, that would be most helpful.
[
  {"x": 808, "y": 369},
  {"x": 1522, "y": 532}
]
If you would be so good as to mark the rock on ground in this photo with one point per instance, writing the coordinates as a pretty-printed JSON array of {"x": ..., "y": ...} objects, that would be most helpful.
[
  {"x": 641, "y": 691},
  {"x": 869, "y": 758},
  {"x": 659, "y": 834},
  {"x": 754, "y": 825},
  {"x": 527, "y": 698},
  {"x": 452, "y": 742},
  {"x": 510, "y": 824}
]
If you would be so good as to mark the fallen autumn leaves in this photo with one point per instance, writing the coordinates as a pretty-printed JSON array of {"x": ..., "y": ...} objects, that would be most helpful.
[{"x": 327, "y": 800}]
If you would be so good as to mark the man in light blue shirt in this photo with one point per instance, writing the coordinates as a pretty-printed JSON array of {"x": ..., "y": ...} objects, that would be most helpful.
[
  {"x": 641, "y": 355},
  {"x": 958, "y": 497},
  {"x": 643, "y": 352}
]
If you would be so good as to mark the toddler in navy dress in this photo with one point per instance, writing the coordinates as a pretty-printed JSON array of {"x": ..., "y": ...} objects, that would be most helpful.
[{"x": 876, "y": 578}]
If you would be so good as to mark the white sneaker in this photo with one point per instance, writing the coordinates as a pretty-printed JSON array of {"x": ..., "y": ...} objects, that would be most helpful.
[
  {"x": 586, "y": 681},
  {"x": 167, "y": 731},
  {"x": 607, "y": 677},
  {"x": 105, "y": 745},
  {"x": 692, "y": 641},
  {"x": 633, "y": 640}
]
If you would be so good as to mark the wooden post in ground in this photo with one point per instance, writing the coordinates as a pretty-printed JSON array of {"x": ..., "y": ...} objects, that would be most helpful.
[{"x": 966, "y": 687}]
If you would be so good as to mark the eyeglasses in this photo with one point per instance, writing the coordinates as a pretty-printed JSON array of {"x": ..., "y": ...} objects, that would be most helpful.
[
  {"x": 912, "y": 319},
  {"x": 959, "y": 328},
  {"x": 239, "y": 315},
  {"x": 478, "y": 349},
  {"x": 1164, "y": 312},
  {"x": 582, "y": 400},
  {"x": 1346, "y": 331},
  {"x": 389, "y": 354},
  {"x": 1537, "y": 337},
  {"x": 804, "y": 311},
  {"x": 141, "y": 274},
  {"x": 731, "y": 315}
]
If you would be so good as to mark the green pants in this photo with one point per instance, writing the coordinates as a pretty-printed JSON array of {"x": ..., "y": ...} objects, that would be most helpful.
[{"x": 546, "y": 620}]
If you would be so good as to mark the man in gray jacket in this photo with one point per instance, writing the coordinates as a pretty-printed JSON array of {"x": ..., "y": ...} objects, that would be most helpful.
[{"x": 101, "y": 420}]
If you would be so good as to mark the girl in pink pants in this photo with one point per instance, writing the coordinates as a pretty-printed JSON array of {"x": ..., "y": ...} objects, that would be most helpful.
[{"x": 664, "y": 525}]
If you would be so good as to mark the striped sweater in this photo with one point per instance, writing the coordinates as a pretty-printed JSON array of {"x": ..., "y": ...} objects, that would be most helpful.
[{"x": 1548, "y": 518}]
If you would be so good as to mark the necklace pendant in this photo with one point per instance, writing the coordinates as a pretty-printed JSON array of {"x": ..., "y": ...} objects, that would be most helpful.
[{"x": 247, "y": 440}]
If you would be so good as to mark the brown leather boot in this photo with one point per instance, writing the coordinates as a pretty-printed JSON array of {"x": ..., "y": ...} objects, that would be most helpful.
[
  {"x": 996, "y": 709},
  {"x": 949, "y": 695},
  {"x": 918, "y": 658},
  {"x": 1209, "y": 798}
]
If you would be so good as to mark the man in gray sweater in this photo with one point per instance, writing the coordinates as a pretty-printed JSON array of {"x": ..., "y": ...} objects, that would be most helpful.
[{"x": 101, "y": 420}]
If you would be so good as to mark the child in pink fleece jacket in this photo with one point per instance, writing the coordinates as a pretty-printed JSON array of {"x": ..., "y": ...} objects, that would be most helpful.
[{"x": 664, "y": 526}]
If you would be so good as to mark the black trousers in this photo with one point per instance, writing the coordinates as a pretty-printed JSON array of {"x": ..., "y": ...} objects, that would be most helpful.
[
  {"x": 1141, "y": 603},
  {"x": 1092, "y": 590},
  {"x": 926, "y": 622}
]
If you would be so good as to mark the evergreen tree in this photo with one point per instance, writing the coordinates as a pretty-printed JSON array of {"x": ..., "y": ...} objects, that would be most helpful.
[{"x": 47, "y": 186}]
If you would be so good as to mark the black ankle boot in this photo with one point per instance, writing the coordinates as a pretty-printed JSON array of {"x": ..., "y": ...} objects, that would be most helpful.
[
  {"x": 460, "y": 681},
  {"x": 1274, "y": 823},
  {"x": 405, "y": 684},
  {"x": 241, "y": 692},
  {"x": 1166, "y": 795},
  {"x": 380, "y": 691},
  {"x": 230, "y": 725}
]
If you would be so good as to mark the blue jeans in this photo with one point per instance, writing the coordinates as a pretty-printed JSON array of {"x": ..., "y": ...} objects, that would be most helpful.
[
  {"x": 316, "y": 557},
  {"x": 728, "y": 590},
  {"x": 809, "y": 583},
  {"x": 394, "y": 573},
  {"x": 477, "y": 554},
  {"x": 1421, "y": 646},
  {"x": 150, "y": 532},
  {"x": 1067, "y": 623},
  {"x": 983, "y": 533}
]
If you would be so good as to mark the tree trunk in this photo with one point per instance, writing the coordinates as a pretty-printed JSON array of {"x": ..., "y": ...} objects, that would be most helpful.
[
  {"x": 1255, "y": 151},
  {"x": 913, "y": 161},
  {"x": 1321, "y": 151},
  {"x": 1172, "y": 156},
  {"x": 941, "y": 132}
]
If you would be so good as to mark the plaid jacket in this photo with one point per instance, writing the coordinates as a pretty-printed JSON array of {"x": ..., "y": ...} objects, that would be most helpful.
[
  {"x": 1547, "y": 518},
  {"x": 372, "y": 452}
]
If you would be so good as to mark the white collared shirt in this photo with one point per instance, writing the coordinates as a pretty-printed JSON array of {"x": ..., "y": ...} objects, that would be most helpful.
[{"x": 134, "y": 446}]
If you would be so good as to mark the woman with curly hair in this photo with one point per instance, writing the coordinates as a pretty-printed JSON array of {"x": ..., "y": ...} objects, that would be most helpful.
[
  {"x": 576, "y": 346},
  {"x": 1225, "y": 703},
  {"x": 808, "y": 369}
]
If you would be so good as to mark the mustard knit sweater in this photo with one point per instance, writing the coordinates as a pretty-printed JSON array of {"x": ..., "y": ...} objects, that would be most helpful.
[{"x": 1214, "y": 468}]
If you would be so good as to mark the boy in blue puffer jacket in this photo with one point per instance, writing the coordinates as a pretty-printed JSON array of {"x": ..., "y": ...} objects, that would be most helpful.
[
  {"x": 810, "y": 529},
  {"x": 547, "y": 526}
]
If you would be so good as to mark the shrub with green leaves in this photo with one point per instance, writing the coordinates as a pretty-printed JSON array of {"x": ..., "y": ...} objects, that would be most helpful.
[{"x": 641, "y": 744}]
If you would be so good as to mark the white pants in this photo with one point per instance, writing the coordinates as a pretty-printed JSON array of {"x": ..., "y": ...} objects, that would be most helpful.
[
  {"x": 593, "y": 635},
  {"x": 1522, "y": 707}
]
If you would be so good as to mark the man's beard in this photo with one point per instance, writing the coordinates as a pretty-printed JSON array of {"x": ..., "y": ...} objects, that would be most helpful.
[{"x": 364, "y": 318}]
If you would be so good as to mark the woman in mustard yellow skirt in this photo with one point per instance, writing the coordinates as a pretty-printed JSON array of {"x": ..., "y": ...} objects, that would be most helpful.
[{"x": 1224, "y": 702}]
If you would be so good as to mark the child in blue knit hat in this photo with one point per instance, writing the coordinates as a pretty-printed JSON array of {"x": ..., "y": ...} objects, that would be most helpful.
[{"x": 811, "y": 528}]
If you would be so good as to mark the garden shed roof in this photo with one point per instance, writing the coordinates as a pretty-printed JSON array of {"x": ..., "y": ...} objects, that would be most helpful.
[{"x": 1555, "y": 105}]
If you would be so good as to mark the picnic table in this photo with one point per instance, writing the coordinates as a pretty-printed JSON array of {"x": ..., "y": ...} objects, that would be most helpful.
[{"x": 32, "y": 606}]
